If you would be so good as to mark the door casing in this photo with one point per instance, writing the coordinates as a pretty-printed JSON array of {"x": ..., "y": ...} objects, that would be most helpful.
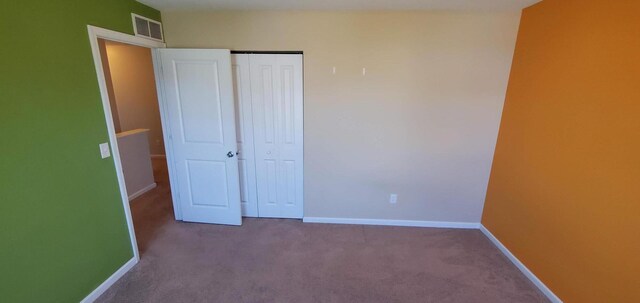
[{"x": 96, "y": 33}]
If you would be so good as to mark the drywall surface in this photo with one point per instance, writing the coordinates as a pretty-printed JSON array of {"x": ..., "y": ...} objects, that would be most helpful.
[
  {"x": 564, "y": 194},
  {"x": 102, "y": 44},
  {"x": 62, "y": 225},
  {"x": 136, "y": 160},
  {"x": 421, "y": 122},
  {"x": 134, "y": 89}
]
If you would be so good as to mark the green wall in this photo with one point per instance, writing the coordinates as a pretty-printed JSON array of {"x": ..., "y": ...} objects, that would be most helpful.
[{"x": 62, "y": 224}]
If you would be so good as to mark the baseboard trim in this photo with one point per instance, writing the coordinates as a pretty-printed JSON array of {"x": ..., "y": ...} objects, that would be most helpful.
[
  {"x": 142, "y": 191},
  {"x": 530, "y": 275},
  {"x": 408, "y": 223},
  {"x": 110, "y": 281}
]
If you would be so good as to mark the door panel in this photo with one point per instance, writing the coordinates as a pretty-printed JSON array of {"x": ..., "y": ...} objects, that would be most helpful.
[
  {"x": 198, "y": 97},
  {"x": 271, "y": 180},
  {"x": 277, "y": 100},
  {"x": 244, "y": 128},
  {"x": 201, "y": 175},
  {"x": 288, "y": 109},
  {"x": 268, "y": 104},
  {"x": 199, "y": 102}
]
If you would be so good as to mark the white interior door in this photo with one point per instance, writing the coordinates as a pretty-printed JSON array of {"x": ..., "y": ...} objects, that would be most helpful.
[
  {"x": 277, "y": 101},
  {"x": 199, "y": 106},
  {"x": 244, "y": 130}
]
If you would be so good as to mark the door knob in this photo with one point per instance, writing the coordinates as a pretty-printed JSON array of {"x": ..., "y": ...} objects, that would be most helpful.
[{"x": 230, "y": 155}]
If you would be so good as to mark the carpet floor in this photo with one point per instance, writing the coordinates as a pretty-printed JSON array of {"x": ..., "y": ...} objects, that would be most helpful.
[{"x": 274, "y": 260}]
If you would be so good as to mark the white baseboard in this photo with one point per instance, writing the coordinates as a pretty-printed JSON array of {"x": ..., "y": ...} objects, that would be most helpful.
[
  {"x": 159, "y": 156},
  {"x": 409, "y": 223},
  {"x": 110, "y": 281},
  {"x": 547, "y": 292},
  {"x": 142, "y": 191}
]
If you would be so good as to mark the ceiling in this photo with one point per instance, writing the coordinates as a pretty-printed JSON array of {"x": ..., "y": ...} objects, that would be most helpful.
[{"x": 485, "y": 5}]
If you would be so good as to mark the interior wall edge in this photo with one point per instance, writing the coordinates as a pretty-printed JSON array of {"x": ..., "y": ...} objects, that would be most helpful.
[
  {"x": 504, "y": 98},
  {"x": 521, "y": 266},
  {"x": 104, "y": 286}
]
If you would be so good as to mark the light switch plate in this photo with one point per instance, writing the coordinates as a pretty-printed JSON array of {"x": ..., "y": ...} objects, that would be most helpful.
[
  {"x": 104, "y": 150},
  {"x": 393, "y": 198}
]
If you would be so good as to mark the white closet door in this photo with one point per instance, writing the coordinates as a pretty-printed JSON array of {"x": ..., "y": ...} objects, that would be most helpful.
[
  {"x": 244, "y": 130},
  {"x": 198, "y": 103},
  {"x": 277, "y": 99}
]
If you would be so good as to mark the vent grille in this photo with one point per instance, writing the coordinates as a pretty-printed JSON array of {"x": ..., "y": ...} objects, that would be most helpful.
[{"x": 145, "y": 27}]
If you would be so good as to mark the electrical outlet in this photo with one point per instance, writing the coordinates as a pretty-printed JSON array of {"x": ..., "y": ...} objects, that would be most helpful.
[{"x": 393, "y": 198}]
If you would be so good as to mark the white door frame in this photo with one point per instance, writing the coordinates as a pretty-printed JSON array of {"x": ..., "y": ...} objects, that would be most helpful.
[{"x": 96, "y": 33}]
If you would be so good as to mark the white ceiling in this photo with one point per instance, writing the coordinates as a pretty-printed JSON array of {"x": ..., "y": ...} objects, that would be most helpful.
[{"x": 485, "y": 5}]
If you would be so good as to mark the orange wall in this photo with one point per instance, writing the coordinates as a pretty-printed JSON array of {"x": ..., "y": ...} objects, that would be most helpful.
[{"x": 564, "y": 193}]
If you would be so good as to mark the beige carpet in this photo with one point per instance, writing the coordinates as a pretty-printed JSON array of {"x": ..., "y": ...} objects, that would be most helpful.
[{"x": 269, "y": 260}]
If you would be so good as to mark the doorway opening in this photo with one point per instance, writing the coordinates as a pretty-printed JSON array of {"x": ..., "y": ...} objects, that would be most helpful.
[
  {"x": 187, "y": 99},
  {"x": 133, "y": 100},
  {"x": 125, "y": 72}
]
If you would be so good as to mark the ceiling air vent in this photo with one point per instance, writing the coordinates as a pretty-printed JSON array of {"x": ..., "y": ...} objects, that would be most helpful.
[{"x": 145, "y": 27}]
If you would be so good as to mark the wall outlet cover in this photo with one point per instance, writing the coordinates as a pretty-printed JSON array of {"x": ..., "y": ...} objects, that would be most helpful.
[{"x": 104, "y": 150}]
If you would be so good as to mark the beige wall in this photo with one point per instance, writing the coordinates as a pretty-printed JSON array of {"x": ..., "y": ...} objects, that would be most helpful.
[
  {"x": 134, "y": 88},
  {"x": 421, "y": 123},
  {"x": 102, "y": 44},
  {"x": 135, "y": 160}
]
